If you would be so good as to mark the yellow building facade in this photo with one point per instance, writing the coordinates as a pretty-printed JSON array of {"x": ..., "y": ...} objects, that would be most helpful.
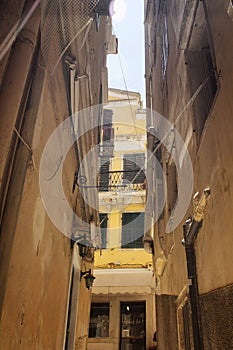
[{"x": 123, "y": 302}]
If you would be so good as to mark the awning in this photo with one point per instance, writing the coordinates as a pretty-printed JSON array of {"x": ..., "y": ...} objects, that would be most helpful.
[{"x": 124, "y": 281}]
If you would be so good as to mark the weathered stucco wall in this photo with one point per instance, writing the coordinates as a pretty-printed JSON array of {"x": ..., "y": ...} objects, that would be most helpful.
[
  {"x": 210, "y": 151},
  {"x": 214, "y": 164},
  {"x": 211, "y": 156},
  {"x": 36, "y": 258}
]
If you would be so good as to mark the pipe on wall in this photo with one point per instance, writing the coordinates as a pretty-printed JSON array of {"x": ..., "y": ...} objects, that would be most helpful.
[
  {"x": 190, "y": 232},
  {"x": 13, "y": 97}
]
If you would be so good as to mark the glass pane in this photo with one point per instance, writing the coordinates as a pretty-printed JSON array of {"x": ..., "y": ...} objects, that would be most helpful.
[
  {"x": 99, "y": 320},
  {"x": 133, "y": 329}
]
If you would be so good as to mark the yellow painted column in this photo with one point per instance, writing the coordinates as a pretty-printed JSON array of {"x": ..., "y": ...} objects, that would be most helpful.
[{"x": 114, "y": 238}]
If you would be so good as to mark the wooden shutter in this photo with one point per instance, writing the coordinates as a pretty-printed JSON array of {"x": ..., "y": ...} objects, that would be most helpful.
[
  {"x": 132, "y": 230},
  {"x": 134, "y": 167},
  {"x": 104, "y": 174}
]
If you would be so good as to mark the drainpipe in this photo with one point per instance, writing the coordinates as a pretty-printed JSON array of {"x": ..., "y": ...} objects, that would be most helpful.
[
  {"x": 13, "y": 96},
  {"x": 190, "y": 231}
]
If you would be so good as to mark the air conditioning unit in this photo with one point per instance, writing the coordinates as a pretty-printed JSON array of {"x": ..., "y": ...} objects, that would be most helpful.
[{"x": 104, "y": 7}]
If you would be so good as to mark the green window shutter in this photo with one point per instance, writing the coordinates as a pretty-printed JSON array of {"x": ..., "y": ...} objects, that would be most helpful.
[
  {"x": 104, "y": 174},
  {"x": 134, "y": 167},
  {"x": 132, "y": 230}
]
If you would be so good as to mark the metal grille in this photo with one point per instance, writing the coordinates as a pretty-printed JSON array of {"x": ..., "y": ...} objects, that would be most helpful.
[
  {"x": 61, "y": 22},
  {"x": 116, "y": 180}
]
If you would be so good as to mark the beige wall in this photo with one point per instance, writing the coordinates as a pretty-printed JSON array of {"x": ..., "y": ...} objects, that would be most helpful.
[
  {"x": 211, "y": 157},
  {"x": 36, "y": 258},
  {"x": 214, "y": 165}
]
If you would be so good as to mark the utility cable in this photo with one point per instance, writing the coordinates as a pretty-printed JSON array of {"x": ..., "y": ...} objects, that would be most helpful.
[
  {"x": 127, "y": 91},
  {"x": 18, "y": 26},
  {"x": 189, "y": 103},
  {"x": 28, "y": 147}
]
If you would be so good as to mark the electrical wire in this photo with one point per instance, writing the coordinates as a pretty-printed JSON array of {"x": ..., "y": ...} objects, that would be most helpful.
[
  {"x": 28, "y": 147},
  {"x": 18, "y": 26}
]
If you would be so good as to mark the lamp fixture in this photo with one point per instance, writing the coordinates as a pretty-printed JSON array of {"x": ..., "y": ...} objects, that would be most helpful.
[
  {"x": 85, "y": 246},
  {"x": 89, "y": 278},
  {"x": 148, "y": 243}
]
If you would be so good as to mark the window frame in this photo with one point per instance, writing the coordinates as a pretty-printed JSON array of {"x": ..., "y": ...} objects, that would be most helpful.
[{"x": 201, "y": 64}]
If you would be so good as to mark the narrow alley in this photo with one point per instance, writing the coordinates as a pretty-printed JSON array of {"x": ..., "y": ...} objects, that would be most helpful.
[{"x": 116, "y": 225}]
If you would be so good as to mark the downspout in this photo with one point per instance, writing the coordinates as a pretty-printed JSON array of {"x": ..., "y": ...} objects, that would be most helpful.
[
  {"x": 15, "y": 88},
  {"x": 190, "y": 231}
]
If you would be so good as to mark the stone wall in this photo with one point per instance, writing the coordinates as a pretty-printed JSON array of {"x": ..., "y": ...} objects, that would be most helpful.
[{"x": 217, "y": 319}]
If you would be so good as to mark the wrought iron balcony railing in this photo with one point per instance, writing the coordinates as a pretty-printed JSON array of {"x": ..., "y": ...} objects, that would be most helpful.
[
  {"x": 133, "y": 180},
  {"x": 129, "y": 180}
]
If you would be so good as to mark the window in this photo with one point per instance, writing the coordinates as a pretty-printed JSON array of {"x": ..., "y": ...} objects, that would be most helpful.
[
  {"x": 201, "y": 69},
  {"x": 108, "y": 131},
  {"x": 134, "y": 167},
  {"x": 107, "y": 147},
  {"x": 132, "y": 230},
  {"x": 103, "y": 229},
  {"x": 104, "y": 174},
  {"x": 99, "y": 320}
]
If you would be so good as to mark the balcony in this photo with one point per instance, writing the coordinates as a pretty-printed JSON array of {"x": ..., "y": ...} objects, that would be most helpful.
[{"x": 130, "y": 180}]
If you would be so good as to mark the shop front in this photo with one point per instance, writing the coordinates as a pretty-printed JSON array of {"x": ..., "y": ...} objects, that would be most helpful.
[{"x": 122, "y": 317}]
